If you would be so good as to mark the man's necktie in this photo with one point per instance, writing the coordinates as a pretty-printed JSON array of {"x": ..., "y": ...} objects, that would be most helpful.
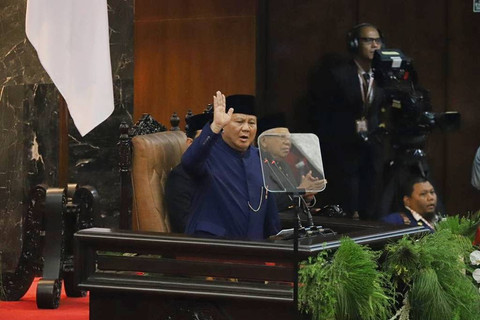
[
  {"x": 366, "y": 76},
  {"x": 366, "y": 83}
]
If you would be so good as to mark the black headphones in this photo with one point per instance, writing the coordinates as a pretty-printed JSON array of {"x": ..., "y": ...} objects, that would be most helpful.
[{"x": 354, "y": 34}]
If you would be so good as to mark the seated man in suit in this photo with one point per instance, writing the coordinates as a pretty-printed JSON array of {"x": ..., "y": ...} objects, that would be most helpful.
[
  {"x": 276, "y": 145},
  {"x": 230, "y": 201},
  {"x": 420, "y": 201},
  {"x": 179, "y": 188}
]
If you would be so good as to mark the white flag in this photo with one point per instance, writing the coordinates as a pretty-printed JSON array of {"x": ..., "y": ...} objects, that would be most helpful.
[{"x": 72, "y": 41}]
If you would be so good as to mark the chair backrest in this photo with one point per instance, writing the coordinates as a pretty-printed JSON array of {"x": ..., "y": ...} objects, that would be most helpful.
[
  {"x": 147, "y": 154},
  {"x": 154, "y": 155},
  {"x": 154, "y": 160}
]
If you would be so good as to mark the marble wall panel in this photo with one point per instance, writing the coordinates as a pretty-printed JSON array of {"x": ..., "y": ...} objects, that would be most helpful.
[
  {"x": 29, "y": 124},
  {"x": 28, "y": 121}
]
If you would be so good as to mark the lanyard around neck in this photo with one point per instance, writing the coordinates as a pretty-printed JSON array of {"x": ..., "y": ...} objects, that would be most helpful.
[{"x": 367, "y": 95}]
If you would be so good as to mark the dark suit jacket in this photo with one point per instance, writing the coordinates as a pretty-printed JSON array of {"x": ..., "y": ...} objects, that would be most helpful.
[
  {"x": 336, "y": 102},
  {"x": 352, "y": 166},
  {"x": 179, "y": 191},
  {"x": 230, "y": 200},
  {"x": 405, "y": 218}
]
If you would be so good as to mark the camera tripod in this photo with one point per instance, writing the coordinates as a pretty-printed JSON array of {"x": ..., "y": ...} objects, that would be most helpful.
[{"x": 407, "y": 163}]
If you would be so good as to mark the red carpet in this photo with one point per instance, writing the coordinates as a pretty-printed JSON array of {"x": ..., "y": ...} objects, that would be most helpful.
[{"x": 26, "y": 308}]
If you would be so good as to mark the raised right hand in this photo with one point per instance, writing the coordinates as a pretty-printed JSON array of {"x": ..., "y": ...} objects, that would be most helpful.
[{"x": 220, "y": 117}]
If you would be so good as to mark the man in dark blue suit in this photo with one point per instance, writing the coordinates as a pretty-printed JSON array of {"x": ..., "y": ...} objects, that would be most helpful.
[
  {"x": 230, "y": 201},
  {"x": 346, "y": 112}
]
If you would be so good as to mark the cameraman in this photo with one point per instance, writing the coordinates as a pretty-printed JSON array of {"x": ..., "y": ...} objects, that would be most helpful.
[{"x": 345, "y": 112}]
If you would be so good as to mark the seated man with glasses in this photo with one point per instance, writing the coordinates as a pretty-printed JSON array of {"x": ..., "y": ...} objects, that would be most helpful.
[
  {"x": 276, "y": 145},
  {"x": 346, "y": 112}
]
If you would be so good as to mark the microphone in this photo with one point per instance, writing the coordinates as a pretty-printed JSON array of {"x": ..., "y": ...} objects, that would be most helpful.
[{"x": 278, "y": 175}]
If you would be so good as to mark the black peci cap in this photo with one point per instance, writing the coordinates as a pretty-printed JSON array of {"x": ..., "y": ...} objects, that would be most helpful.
[
  {"x": 196, "y": 122},
  {"x": 276, "y": 120},
  {"x": 241, "y": 103}
]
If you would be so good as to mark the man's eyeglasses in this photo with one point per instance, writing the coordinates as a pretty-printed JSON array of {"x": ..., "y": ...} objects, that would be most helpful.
[{"x": 371, "y": 40}]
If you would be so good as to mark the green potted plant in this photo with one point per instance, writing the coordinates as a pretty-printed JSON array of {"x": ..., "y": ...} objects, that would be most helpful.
[
  {"x": 345, "y": 286},
  {"x": 429, "y": 274}
]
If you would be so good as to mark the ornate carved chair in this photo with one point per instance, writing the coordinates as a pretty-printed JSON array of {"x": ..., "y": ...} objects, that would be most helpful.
[
  {"x": 53, "y": 216},
  {"x": 147, "y": 154}
]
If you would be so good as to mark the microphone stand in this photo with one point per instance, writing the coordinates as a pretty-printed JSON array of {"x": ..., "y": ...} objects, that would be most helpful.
[
  {"x": 296, "y": 258},
  {"x": 306, "y": 210},
  {"x": 299, "y": 203}
]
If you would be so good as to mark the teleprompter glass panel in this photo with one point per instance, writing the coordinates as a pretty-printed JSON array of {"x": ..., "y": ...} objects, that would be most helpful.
[{"x": 291, "y": 162}]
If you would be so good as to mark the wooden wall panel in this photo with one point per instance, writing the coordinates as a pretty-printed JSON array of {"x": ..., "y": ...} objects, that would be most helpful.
[
  {"x": 186, "y": 50},
  {"x": 463, "y": 95},
  {"x": 192, "y": 9},
  {"x": 298, "y": 34}
]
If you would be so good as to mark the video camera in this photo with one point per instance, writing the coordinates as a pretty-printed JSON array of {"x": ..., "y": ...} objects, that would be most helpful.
[{"x": 410, "y": 117}]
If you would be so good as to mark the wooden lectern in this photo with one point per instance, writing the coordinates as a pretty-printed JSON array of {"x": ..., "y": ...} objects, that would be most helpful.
[{"x": 150, "y": 275}]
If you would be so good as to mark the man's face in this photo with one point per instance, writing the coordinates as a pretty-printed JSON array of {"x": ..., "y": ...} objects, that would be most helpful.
[
  {"x": 240, "y": 132},
  {"x": 368, "y": 41},
  {"x": 279, "y": 144},
  {"x": 423, "y": 200}
]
